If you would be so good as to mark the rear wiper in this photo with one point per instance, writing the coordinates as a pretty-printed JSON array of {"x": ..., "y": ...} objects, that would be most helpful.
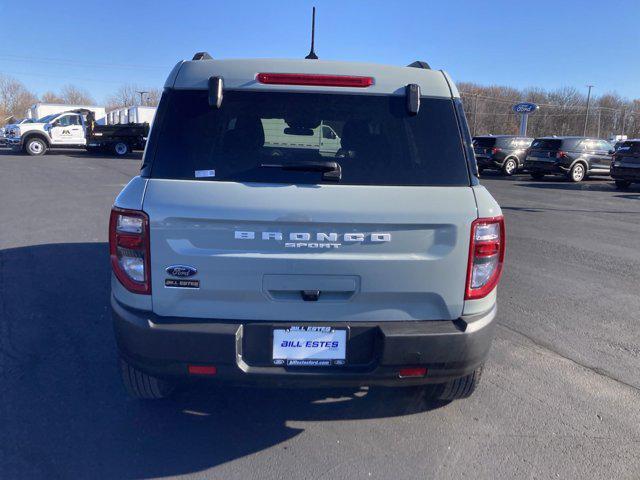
[{"x": 330, "y": 170}]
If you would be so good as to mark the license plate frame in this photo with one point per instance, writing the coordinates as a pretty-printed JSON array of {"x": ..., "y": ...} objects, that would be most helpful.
[{"x": 301, "y": 351}]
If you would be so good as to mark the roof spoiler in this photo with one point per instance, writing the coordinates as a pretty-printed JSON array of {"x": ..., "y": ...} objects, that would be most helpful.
[
  {"x": 420, "y": 64},
  {"x": 202, "y": 56}
]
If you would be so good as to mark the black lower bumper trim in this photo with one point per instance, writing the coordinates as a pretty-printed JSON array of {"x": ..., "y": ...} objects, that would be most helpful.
[{"x": 241, "y": 350}]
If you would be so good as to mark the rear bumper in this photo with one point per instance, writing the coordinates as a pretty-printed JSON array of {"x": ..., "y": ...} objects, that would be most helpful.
[
  {"x": 551, "y": 168},
  {"x": 488, "y": 162},
  {"x": 630, "y": 173},
  {"x": 241, "y": 350}
]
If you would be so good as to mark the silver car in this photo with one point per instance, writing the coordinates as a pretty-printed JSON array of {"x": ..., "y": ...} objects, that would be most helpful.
[{"x": 249, "y": 256}]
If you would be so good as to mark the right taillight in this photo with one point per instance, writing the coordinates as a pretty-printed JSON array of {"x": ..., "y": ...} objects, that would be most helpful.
[
  {"x": 129, "y": 249},
  {"x": 486, "y": 256}
]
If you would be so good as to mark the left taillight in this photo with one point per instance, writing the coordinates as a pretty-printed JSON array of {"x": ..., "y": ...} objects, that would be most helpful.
[
  {"x": 486, "y": 256},
  {"x": 129, "y": 249}
]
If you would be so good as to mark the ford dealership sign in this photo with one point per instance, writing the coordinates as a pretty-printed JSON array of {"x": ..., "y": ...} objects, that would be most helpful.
[{"x": 525, "y": 107}]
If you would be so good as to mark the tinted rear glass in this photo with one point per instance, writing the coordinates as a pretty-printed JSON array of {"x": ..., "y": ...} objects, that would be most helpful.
[
  {"x": 546, "y": 144},
  {"x": 372, "y": 138},
  {"x": 484, "y": 142},
  {"x": 629, "y": 147}
]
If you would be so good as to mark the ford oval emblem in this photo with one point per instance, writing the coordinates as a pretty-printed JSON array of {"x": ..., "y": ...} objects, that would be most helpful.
[
  {"x": 181, "y": 271},
  {"x": 525, "y": 107}
]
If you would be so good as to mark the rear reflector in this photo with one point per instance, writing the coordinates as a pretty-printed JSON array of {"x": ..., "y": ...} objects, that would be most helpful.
[
  {"x": 412, "y": 372},
  {"x": 202, "y": 370},
  {"x": 316, "y": 80}
]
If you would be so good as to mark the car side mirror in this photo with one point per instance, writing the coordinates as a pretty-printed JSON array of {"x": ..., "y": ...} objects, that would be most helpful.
[{"x": 611, "y": 152}]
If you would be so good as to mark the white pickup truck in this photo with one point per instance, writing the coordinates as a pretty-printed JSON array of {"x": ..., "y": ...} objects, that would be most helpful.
[
  {"x": 69, "y": 130},
  {"x": 282, "y": 137},
  {"x": 65, "y": 129}
]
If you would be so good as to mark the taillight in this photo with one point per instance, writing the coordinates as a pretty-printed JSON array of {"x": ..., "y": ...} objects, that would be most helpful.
[
  {"x": 486, "y": 256},
  {"x": 495, "y": 150},
  {"x": 129, "y": 249},
  {"x": 314, "y": 79},
  {"x": 561, "y": 154}
]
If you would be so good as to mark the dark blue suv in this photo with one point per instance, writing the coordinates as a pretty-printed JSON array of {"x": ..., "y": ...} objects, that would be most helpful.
[{"x": 505, "y": 153}]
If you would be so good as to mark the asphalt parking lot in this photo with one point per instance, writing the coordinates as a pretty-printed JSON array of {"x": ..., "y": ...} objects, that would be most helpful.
[{"x": 560, "y": 396}]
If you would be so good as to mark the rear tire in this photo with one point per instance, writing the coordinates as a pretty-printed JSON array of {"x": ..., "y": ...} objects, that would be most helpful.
[
  {"x": 510, "y": 167},
  {"x": 622, "y": 184},
  {"x": 35, "y": 147},
  {"x": 461, "y": 387},
  {"x": 141, "y": 386},
  {"x": 537, "y": 175},
  {"x": 121, "y": 149},
  {"x": 578, "y": 172}
]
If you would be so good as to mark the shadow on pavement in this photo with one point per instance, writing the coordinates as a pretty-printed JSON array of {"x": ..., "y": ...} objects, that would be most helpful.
[
  {"x": 75, "y": 153},
  {"x": 67, "y": 416},
  {"x": 629, "y": 196},
  {"x": 566, "y": 185}
]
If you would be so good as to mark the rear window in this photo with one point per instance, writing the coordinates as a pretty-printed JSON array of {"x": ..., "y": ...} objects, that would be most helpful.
[
  {"x": 547, "y": 144},
  {"x": 521, "y": 142},
  {"x": 629, "y": 147},
  {"x": 254, "y": 136},
  {"x": 484, "y": 142}
]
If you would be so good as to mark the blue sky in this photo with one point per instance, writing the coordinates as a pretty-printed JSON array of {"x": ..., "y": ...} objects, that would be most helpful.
[{"x": 99, "y": 45}]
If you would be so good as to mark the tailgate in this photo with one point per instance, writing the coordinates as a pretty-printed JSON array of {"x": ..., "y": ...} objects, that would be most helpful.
[{"x": 372, "y": 252}]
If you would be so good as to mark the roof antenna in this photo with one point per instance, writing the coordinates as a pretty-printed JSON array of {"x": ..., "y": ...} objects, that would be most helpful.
[{"x": 312, "y": 55}]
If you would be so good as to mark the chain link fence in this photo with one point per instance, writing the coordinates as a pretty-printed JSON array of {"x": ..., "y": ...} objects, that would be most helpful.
[{"x": 561, "y": 112}]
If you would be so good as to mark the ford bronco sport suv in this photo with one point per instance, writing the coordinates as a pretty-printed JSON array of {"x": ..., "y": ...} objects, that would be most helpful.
[
  {"x": 501, "y": 152},
  {"x": 239, "y": 254}
]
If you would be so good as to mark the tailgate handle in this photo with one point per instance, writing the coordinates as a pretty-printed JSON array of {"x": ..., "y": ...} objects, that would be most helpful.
[
  {"x": 310, "y": 288},
  {"x": 310, "y": 295}
]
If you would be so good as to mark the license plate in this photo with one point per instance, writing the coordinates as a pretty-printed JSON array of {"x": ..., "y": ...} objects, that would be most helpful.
[{"x": 309, "y": 346}]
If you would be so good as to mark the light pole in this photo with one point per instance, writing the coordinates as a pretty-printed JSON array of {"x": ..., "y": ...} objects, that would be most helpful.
[
  {"x": 141, "y": 94},
  {"x": 586, "y": 114},
  {"x": 475, "y": 113}
]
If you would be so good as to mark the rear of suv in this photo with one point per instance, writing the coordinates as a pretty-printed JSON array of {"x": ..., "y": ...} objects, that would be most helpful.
[
  {"x": 250, "y": 259},
  {"x": 625, "y": 166},
  {"x": 505, "y": 153},
  {"x": 572, "y": 157}
]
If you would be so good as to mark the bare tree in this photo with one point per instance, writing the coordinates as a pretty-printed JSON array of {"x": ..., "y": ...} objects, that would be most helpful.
[
  {"x": 128, "y": 95},
  {"x": 562, "y": 111},
  {"x": 51, "y": 97},
  {"x": 153, "y": 97},
  {"x": 14, "y": 98},
  {"x": 76, "y": 96}
]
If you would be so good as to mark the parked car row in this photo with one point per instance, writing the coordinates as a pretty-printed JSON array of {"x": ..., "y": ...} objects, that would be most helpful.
[{"x": 570, "y": 156}]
